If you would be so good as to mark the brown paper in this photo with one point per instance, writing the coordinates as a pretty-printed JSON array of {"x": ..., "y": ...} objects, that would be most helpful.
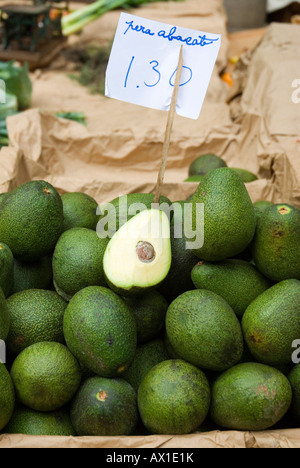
[{"x": 283, "y": 438}]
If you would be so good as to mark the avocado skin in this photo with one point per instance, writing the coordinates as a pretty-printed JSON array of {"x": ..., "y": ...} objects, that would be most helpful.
[
  {"x": 27, "y": 421},
  {"x": 246, "y": 176},
  {"x": 204, "y": 330},
  {"x": 46, "y": 376},
  {"x": 35, "y": 315},
  {"x": 276, "y": 244},
  {"x": 294, "y": 379},
  {"x": 4, "y": 317},
  {"x": 7, "y": 396},
  {"x": 33, "y": 275},
  {"x": 262, "y": 205},
  {"x": 100, "y": 330},
  {"x": 104, "y": 407},
  {"x": 229, "y": 216},
  {"x": 77, "y": 261},
  {"x": 6, "y": 269},
  {"x": 147, "y": 356},
  {"x": 31, "y": 220},
  {"x": 194, "y": 178},
  {"x": 178, "y": 279},
  {"x": 250, "y": 397},
  {"x": 271, "y": 323},
  {"x": 149, "y": 311},
  {"x": 173, "y": 398},
  {"x": 79, "y": 210},
  {"x": 2, "y": 197},
  {"x": 237, "y": 281}
]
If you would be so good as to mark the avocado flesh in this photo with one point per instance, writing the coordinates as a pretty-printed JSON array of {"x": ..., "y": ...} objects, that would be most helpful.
[{"x": 138, "y": 256}]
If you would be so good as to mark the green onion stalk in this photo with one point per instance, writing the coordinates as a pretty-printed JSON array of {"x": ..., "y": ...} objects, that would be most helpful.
[{"x": 76, "y": 20}]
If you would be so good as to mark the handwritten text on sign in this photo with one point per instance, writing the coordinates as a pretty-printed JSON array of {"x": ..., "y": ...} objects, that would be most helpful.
[{"x": 143, "y": 64}]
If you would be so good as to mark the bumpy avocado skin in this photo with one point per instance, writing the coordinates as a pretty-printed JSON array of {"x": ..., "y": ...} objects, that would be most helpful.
[
  {"x": 31, "y": 219},
  {"x": 229, "y": 216},
  {"x": 271, "y": 323},
  {"x": 250, "y": 397},
  {"x": 237, "y": 281},
  {"x": 276, "y": 244}
]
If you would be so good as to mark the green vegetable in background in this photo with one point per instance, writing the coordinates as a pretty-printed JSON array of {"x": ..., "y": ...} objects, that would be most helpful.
[
  {"x": 10, "y": 108},
  {"x": 76, "y": 20}
]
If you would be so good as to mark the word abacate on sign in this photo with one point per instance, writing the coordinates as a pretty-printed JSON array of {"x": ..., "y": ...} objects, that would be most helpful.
[
  {"x": 171, "y": 35},
  {"x": 143, "y": 64}
]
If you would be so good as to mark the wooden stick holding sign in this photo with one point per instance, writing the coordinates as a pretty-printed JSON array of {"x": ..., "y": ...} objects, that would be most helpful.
[
  {"x": 169, "y": 127},
  {"x": 144, "y": 69}
]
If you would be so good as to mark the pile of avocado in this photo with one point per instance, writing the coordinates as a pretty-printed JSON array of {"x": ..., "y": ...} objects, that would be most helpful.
[{"x": 141, "y": 331}]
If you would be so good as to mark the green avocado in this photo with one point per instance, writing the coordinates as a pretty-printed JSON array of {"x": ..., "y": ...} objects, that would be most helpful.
[
  {"x": 178, "y": 279},
  {"x": 46, "y": 376},
  {"x": 246, "y": 176},
  {"x": 194, "y": 178},
  {"x": 6, "y": 269},
  {"x": 276, "y": 244},
  {"x": 31, "y": 220},
  {"x": 173, "y": 398},
  {"x": 205, "y": 163},
  {"x": 262, "y": 205},
  {"x": 77, "y": 261},
  {"x": 204, "y": 330},
  {"x": 237, "y": 281},
  {"x": 79, "y": 210},
  {"x": 104, "y": 407},
  {"x": 7, "y": 396},
  {"x": 27, "y": 421},
  {"x": 2, "y": 197},
  {"x": 149, "y": 311},
  {"x": 33, "y": 275},
  {"x": 250, "y": 397},
  {"x": 4, "y": 317},
  {"x": 229, "y": 218},
  {"x": 294, "y": 379},
  {"x": 100, "y": 330},
  {"x": 147, "y": 356},
  {"x": 271, "y": 323},
  {"x": 35, "y": 315}
]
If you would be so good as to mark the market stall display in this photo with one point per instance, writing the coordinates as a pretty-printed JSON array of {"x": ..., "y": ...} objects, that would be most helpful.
[{"x": 224, "y": 315}]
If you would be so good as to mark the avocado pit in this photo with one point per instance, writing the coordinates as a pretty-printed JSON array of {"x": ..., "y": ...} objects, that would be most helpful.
[{"x": 145, "y": 251}]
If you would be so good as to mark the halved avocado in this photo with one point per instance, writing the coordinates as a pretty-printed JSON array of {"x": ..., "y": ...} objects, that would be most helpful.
[{"x": 138, "y": 256}]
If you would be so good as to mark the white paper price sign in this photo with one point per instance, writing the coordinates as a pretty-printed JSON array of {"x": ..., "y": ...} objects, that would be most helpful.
[{"x": 143, "y": 64}]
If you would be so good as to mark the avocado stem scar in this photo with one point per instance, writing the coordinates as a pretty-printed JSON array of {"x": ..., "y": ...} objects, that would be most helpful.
[
  {"x": 283, "y": 210},
  {"x": 101, "y": 396}
]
